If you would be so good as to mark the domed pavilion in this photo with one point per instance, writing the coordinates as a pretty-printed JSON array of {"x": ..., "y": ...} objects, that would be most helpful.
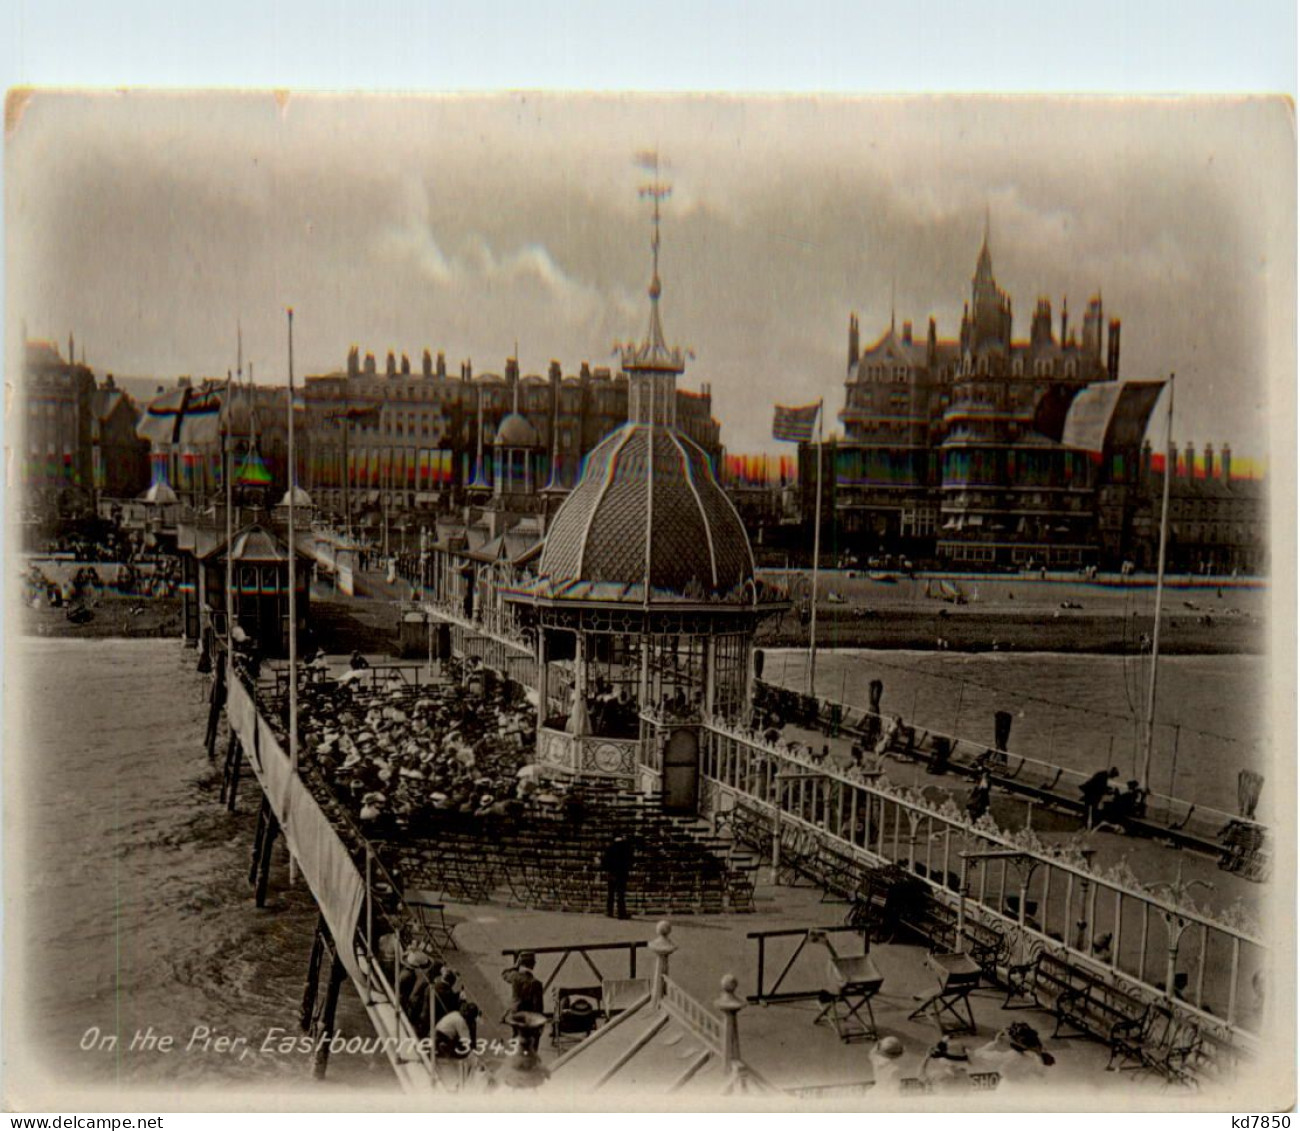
[{"x": 646, "y": 601}]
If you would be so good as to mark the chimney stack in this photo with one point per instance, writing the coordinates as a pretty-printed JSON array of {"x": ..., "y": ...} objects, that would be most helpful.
[
  {"x": 1225, "y": 463},
  {"x": 406, "y": 365},
  {"x": 1209, "y": 461},
  {"x": 854, "y": 353},
  {"x": 1190, "y": 456},
  {"x": 931, "y": 345},
  {"x": 1112, "y": 350},
  {"x": 441, "y": 368},
  {"x": 426, "y": 364}
]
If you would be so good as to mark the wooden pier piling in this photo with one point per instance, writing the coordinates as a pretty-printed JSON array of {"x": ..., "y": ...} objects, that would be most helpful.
[{"x": 269, "y": 833}]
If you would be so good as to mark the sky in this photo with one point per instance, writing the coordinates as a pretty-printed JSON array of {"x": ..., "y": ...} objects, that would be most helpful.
[{"x": 151, "y": 225}]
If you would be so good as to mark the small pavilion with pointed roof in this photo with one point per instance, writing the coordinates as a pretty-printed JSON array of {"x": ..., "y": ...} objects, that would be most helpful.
[
  {"x": 645, "y": 592},
  {"x": 261, "y": 590}
]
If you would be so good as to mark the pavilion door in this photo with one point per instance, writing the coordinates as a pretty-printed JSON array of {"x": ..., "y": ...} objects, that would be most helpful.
[{"x": 681, "y": 770}]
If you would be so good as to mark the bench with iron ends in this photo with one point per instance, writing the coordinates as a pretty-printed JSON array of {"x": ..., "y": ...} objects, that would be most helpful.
[
  {"x": 1084, "y": 1001},
  {"x": 1167, "y": 1044}
]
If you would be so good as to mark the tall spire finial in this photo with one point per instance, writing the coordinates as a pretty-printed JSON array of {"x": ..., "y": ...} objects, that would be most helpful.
[
  {"x": 656, "y": 190},
  {"x": 653, "y": 353},
  {"x": 893, "y": 287}
]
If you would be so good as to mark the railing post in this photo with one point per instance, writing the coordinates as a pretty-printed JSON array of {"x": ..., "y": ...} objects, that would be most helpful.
[
  {"x": 662, "y": 947},
  {"x": 731, "y": 1005}
]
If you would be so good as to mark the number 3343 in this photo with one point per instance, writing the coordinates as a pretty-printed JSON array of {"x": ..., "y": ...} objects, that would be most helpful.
[{"x": 482, "y": 1046}]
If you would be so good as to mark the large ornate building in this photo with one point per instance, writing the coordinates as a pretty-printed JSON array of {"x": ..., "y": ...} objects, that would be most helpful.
[
  {"x": 941, "y": 458},
  {"x": 419, "y": 440}
]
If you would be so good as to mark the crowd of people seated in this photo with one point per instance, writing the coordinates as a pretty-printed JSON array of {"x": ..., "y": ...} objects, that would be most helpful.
[{"x": 393, "y": 754}]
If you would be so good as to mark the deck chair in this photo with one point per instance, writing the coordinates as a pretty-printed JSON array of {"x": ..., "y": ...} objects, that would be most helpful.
[
  {"x": 852, "y": 981},
  {"x": 432, "y": 917},
  {"x": 958, "y": 975}
]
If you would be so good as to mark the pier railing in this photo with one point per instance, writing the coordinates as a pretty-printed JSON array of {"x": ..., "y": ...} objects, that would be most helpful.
[
  {"x": 358, "y": 898},
  {"x": 1150, "y": 939},
  {"x": 1010, "y": 768}
]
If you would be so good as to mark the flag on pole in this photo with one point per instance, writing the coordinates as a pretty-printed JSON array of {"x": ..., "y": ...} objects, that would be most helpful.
[
  {"x": 795, "y": 424},
  {"x": 1099, "y": 417}
]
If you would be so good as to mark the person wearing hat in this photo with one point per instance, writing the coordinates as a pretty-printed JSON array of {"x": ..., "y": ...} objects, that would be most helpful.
[
  {"x": 1094, "y": 791},
  {"x": 616, "y": 863},
  {"x": 526, "y": 998},
  {"x": 1016, "y": 1054},
  {"x": 887, "y": 1064},
  {"x": 453, "y": 1036},
  {"x": 945, "y": 1064},
  {"x": 446, "y": 996},
  {"x": 418, "y": 973}
]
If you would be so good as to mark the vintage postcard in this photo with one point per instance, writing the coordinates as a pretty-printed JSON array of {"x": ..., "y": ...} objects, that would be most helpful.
[{"x": 572, "y": 602}]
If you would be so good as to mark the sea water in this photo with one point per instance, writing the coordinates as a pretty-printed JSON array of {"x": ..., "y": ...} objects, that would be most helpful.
[{"x": 134, "y": 920}]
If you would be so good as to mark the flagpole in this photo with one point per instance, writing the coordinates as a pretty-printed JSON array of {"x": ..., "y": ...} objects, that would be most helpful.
[
  {"x": 293, "y": 593},
  {"x": 817, "y": 550},
  {"x": 1160, "y": 585},
  {"x": 228, "y": 450},
  {"x": 293, "y": 581}
]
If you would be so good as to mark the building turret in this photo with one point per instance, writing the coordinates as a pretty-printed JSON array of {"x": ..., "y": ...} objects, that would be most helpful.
[
  {"x": 990, "y": 306},
  {"x": 1208, "y": 467},
  {"x": 426, "y": 364},
  {"x": 370, "y": 364},
  {"x": 512, "y": 371},
  {"x": 1092, "y": 322},
  {"x": 931, "y": 345},
  {"x": 406, "y": 365},
  {"x": 907, "y": 333},
  {"x": 1189, "y": 457},
  {"x": 1065, "y": 319},
  {"x": 1112, "y": 350},
  {"x": 854, "y": 352},
  {"x": 440, "y": 368},
  {"x": 354, "y": 362},
  {"x": 1040, "y": 329},
  {"x": 1225, "y": 463}
]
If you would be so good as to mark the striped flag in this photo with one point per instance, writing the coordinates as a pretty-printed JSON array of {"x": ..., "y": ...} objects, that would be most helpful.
[{"x": 795, "y": 424}]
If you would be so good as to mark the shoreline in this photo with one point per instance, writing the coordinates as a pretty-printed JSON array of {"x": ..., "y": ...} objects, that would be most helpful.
[
  {"x": 964, "y": 630},
  {"x": 895, "y": 630}
]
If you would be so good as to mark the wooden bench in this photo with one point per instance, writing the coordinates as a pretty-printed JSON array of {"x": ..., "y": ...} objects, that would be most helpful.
[
  {"x": 1167, "y": 1044},
  {"x": 1084, "y": 1001}
]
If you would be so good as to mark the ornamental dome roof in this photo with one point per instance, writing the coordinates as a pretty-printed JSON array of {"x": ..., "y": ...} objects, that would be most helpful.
[
  {"x": 515, "y": 431},
  {"x": 648, "y": 509}
]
